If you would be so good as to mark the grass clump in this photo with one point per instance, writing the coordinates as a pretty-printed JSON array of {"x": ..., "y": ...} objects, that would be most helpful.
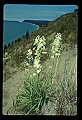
[
  {"x": 36, "y": 92},
  {"x": 66, "y": 92}
]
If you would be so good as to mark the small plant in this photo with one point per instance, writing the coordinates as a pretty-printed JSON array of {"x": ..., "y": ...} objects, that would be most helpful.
[
  {"x": 37, "y": 89},
  {"x": 36, "y": 92},
  {"x": 5, "y": 47},
  {"x": 27, "y": 35}
]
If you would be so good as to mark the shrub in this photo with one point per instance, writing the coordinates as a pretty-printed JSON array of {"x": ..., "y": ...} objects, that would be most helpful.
[
  {"x": 5, "y": 47},
  {"x": 9, "y": 45}
]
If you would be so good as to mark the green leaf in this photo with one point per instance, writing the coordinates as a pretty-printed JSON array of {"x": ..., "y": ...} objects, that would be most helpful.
[{"x": 31, "y": 109}]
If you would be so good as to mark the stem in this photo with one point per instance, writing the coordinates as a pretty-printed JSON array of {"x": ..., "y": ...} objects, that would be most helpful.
[
  {"x": 56, "y": 67},
  {"x": 71, "y": 68}
]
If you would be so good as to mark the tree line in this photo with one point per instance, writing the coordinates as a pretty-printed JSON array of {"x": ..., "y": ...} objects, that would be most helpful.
[{"x": 18, "y": 40}]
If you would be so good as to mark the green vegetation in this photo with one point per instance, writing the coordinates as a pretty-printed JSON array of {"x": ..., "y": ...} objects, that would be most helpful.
[{"x": 35, "y": 92}]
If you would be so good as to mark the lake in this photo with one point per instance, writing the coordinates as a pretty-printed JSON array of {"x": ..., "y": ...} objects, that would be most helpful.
[{"x": 12, "y": 30}]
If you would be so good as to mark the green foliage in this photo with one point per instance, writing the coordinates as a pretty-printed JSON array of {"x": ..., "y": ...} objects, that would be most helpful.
[
  {"x": 5, "y": 47},
  {"x": 9, "y": 45},
  {"x": 27, "y": 34},
  {"x": 35, "y": 92}
]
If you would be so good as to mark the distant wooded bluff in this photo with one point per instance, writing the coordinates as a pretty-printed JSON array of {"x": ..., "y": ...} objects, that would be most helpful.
[{"x": 40, "y": 23}]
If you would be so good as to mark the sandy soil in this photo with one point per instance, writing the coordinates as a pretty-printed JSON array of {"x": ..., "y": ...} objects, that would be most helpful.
[{"x": 10, "y": 89}]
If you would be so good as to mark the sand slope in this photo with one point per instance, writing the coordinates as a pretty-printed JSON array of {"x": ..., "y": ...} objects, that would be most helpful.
[{"x": 10, "y": 86}]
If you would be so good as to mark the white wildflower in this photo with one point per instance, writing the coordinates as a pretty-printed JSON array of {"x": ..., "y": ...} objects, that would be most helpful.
[
  {"x": 52, "y": 56},
  {"x": 40, "y": 46},
  {"x": 36, "y": 63},
  {"x": 56, "y": 46},
  {"x": 50, "y": 67},
  {"x": 34, "y": 74},
  {"x": 38, "y": 71},
  {"x": 34, "y": 48},
  {"x": 27, "y": 64},
  {"x": 6, "y": 54},
  {"x": 37, "y": 40},
  {"x": 29, "y": 52},
  {"x": 29, "y": 55},
  {"x": 44, "y": 52},
  {"x": 57, "y": 54}
]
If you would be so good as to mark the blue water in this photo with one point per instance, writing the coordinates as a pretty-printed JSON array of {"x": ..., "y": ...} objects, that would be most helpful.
[{"x": 12, "y": 30}]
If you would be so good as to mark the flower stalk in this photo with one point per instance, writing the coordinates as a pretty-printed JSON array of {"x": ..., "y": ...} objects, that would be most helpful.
[
  {"x": 39, "y": 50},
  {"x": 56, "y": 51}
]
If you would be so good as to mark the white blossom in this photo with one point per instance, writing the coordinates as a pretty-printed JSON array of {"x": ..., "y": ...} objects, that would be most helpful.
[
  {"x": 52, "y": 56},
  {"x": 34, "y": 74},
  {"x": 50, "y": 67},
  {"x": 29, "y": 52},
  {"x": 34, "y": 48},
  {"x": 27, "y": 64},
  {"x": 6, "y": 54},
  {"x": 38, "y": 71},
  {"x": 39, "y": 48},
  {"x": 37, "y": 63},
  {"x": 37, "y": 40},
  {"x": 44, "y": 52},
  {"x": 29, "y": 55},
  {"x": 56, "y": 46}
]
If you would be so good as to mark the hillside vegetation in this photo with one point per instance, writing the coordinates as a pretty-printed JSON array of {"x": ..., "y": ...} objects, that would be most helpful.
[
  {"x": 66, "y": 24},
  {"x": 54, "y": 91}
]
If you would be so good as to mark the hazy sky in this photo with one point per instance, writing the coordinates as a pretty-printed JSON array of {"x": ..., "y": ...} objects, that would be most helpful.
[{"x": 40, "y": 12}]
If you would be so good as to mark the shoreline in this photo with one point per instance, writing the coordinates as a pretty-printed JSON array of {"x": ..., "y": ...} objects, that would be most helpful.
[
  {"x": 21, "y": 35},
  {"x": 34, "y": 25}
]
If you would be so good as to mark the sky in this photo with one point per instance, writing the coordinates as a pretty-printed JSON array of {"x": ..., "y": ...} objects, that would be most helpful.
[{"x": 16, "y": 12}]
